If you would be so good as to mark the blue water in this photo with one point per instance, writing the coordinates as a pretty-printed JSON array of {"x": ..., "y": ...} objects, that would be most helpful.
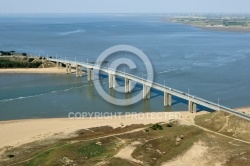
[{"x": 212, "y": 64}]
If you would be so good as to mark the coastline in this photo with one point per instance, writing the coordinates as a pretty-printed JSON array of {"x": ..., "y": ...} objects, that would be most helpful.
[
  {"x": 215, "y": 28},
  {"x": 52, "y": 70},
  {"x": 19, "y": 132},
  {"x": 225, "y": 29}
]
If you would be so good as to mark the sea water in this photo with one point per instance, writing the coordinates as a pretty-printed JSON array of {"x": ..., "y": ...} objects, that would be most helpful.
[{"x": 211, "y": 64}]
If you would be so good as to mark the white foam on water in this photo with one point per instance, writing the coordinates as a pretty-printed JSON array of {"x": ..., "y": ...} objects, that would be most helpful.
[{"x": 71, "y": 32}]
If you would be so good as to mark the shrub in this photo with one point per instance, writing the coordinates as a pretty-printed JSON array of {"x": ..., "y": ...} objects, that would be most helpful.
[
  {"x": 169, "y": 125},
  {"x": 156, "y": 127},
  {"x": 31, "y": 59}
]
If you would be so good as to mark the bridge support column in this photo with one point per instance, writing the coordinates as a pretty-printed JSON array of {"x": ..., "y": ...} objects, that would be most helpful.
[
  {"x": 77, "y": 71},
  {"x": 129, "y": 86},
  {"x": 69, "y": 68},
  {"x": 90, "y": 73},
  {"x": 114, "y": 81},
  {"x": 146, "y": 92},
  {"x": 190, "y": 106},
  {"x": 167, "y": 99},
  {"x": 126, "y": 85},
  {"x": 67, "y": 65},
  {"x": 194, "y": 108},
  {"x": 57, "y": 65},
  {"x": 60, "y": 65},
  {"x": 110, "y": 81}
]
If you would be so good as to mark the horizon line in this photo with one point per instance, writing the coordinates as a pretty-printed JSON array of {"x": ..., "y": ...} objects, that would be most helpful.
[{"x": 135, "y": 13}]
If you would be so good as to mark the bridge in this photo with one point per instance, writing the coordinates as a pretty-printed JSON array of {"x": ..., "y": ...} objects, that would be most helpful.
[{"x": 193, "y": 101}]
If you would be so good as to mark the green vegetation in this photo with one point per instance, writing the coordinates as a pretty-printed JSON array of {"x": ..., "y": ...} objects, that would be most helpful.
[
  {"x": 156, "y": 127},
  {"x": 7, "y": 63},
  {"x": 158, "y": 143},
  {"x": 83, "y": 153},
  {"x": 226, "y": 22},
  {"x": 10, "y": 53},
  {"x": 6, "y": 53}
]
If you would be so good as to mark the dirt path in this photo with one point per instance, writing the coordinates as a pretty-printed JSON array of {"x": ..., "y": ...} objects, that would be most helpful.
[
  {"x": 205, "y": 129},
  {"x": 126, "y": 152},
  {"x": 226, "y": 124}
]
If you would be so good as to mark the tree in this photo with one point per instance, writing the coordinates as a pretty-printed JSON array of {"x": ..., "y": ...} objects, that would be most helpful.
[{"x": 12, "y": 52}]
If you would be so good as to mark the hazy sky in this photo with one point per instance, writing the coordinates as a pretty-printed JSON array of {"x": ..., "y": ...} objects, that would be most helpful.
[{"x": 124, "y": 6}]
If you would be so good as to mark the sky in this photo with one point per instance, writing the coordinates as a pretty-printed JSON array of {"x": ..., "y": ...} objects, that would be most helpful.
[{"x": 124, "y": 6}]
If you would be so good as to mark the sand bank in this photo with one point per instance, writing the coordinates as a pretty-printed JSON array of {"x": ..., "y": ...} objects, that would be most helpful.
[
  {"x": 18, "y": 132},
  {"x": 52, "y": 70}
]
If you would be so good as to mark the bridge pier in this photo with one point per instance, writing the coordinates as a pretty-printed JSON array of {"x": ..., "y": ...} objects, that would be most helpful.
[
  {"x": 192, "y": 107},
  {"x": 114, "y": 81},
  {"x": 67, "y": 68},
  {"x": 57, "y": 65},
  {"x": 110, "y": 81},
  {"x": 129, "y": 86},
  {"x": 78, "y": 71},
  {"x": 90, "y": 73},
  {"x": 126, "y": 85},
  {"x": 60, "y": 65},
  {"x": 167, "y": 99},
  {"x": 146, "y": 92}
]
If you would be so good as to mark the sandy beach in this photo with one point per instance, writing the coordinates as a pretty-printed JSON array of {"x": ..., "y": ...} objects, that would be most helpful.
[
  {"x": 52, "y": 70},
  {"x": 18, "y": 132}
]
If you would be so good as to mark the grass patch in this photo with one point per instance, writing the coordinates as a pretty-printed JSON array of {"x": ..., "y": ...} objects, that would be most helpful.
[
  {"x": 81, "y": 153},
  {"x": 156, "y": 127}
]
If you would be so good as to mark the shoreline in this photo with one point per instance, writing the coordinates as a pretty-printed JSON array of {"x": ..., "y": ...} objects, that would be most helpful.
[
  {"x": 224, "y": 29},
  {"x": 52, "y": 70},
  {"x": 19, "y": 132},
  {"x": 215, "y": 28}
]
